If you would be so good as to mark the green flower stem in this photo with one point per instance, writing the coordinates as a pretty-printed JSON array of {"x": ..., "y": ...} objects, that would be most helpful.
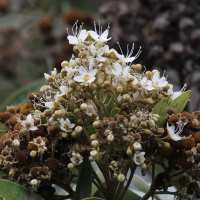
[
  {"x": 128, "y": 182},
  {"x": 98, "y": 180}
]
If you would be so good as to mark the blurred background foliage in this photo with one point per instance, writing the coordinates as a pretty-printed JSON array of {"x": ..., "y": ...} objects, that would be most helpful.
[{"x": 33, "y": 39}]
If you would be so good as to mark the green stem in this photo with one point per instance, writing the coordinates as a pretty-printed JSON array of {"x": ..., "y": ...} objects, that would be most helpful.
[{"x": 86, "y": 136}]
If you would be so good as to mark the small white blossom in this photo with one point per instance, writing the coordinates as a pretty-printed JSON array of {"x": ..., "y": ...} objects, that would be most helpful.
[
  {"x": 79, "y": 36},
  {"x": 97, "y": 53},
  {"x": 76, "y": 159},
  {"x": 156, "y": 82},
  {"x": 28, "y": 124},
  {"x": 66, "y": 125},
  {"x": 86, "y": 77},
  {"x": 120, "y": 72},
  {"x": 175, "y": 94},
  {"x": 139, "y": 158},
  {"x": 173, "y": 134}
]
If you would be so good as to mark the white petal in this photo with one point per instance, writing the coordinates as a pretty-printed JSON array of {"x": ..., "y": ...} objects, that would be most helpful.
[
  {"x": 94, "y": 35},
  {"x": 93, "y": 49},
  {"x": 78, "y": 78},
  {"x": 92, "y": 72},
  {"x": 118, "y": 68},
  {"x": 156, "y": 77},
  {"x": 83, "y": 35},
  {"x": 100, "y": 58},
  {"x": 104, "y": 35},
  {"x": 130, "y": 59},
  {"x": 33, "y": 128},
  {"x": 64, "y": 89},
  {"x": 91, "y": 79},
  {"x": 49, "y": 104},
  {"x": 82, "y": 70},
  {"x": 72, "y": 39}
]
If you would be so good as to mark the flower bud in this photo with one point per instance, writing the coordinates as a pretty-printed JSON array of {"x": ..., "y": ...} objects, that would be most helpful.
[
  {"x": 33, "y": 154},
  {"x": 93, "y": 136},
  {"x": 121, "y": 178},
  {"x": 126, "y": 97},
  {"x": 94, "y": 153},
  {"x": 70, "y": 165},
  {"x": 148, "y": 74},
  {"x": 95, "y": 144},
  {"x": 11, "y": 172},
  {"x": 93, "y": 86},
  {"x": 110, "y": 138},
  {"x": 137, "y": 146},
  {"x": 143, "y": 166},
  {"x": 64, "y": 135},
  {"x": 74, "y": 134},
  {"x": 64, "y": 64},
  {"x": 34, "y": 182},
  {"x": 83, "y": 106},
  {"x": 72, "y": 83},
  {"x": 78, "y": 129},
  {"x": 120, "y": 89},
  {"x": 115, "y": 175},
  {"x": 91, "y": 159},
  {"x": 16, "y": 143},
  {"x": 129, "y": 152},
  {"x": 97, "y": 124}
]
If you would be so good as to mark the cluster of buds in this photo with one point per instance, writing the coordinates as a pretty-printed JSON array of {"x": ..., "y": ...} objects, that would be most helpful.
[{"x": 99, "y": 107}]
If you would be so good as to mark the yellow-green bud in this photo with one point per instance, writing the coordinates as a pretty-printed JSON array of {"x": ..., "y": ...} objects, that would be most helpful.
[{"x": 121, "y": 178}]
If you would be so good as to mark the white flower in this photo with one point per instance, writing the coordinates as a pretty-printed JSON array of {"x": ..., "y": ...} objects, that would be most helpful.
[
  {"x": 76, "y": 159},
  {"x": 120, "y": 72},
  {"x": 171, "y": 133},
  {"x": 86, "y": 77},
  {"x": 79, "y": 37},
  {"x": 137, "y": 146},
  {"x": 175, "y": 94},
  {"x": 53, "y": 73},
  {"x": 66, "y": 125},
  {"x": 102, "y": 36},
  {"x": 97, "y": 53},
  {"x": 139, "y": 158},
  {"x": 128, "y": 57},
  {"x": 90, "y": 110},
  {"x": 53, "y": 104},
  {"x": 64, "y": 90},
  {"x": 113, "y": 165},
  {"x": 156, "y": 82},
  {"x": 28, "y": 124}
]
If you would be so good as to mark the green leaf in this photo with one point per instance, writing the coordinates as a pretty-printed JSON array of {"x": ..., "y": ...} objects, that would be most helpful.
[
  {"x": 84, "y": 184},
  {"x": 13, "y": 191},
  {"x": 130, "y": 195},
  {"x": 142, "y": 185},
  {"x": 93, "y": 198},
  {"x": 20, "y": 95},
  {"x": 161, "y": 109},
  {"x": 104, "y": 108},
  {"x": 90, "y": 129},
  {"x": 180, "y": 102},
  {"x": 114, "y": 111}
]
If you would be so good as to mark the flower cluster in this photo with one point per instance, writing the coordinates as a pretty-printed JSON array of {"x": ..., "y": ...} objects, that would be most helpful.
[{"x": 99, "y": 107}]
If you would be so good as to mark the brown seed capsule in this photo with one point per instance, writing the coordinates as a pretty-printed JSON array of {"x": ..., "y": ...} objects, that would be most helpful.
[
  {"x": 53, "y": 130},
  {"x": 38, "y": 131},
  {"x": 183, "y": 163},
  {"x": 19, "y": 107},
  {"x": 197, "y": 137},
  {"x": 188, "y": 132},
  {"x": 45, "y": 24},
  {"x": 32, "y": 147},
  {"x": 120, "y": 118},
  {"x": 170, "y": 111},
  {"x": 33, "y": 171},
  {"x": 4, "y": 6},
  {"x": 4, "y": 152},
  {"x": 7, "y": 142},
  {"x": 2, "y": 146},
  {"x": 13, "y": 120},
  {"x": 173, "y": 119},
  {"x": 137, "y": 136},
  {"x": 9, "y": 158},
  {"x": 113, "y": 124},
  {"x": 184, "y": 180},
  {"x": 192, "y": 188},
  {"x": 43, "y": 171},
  {"x": 198, "y": 148},
  {"x": 4, "y": 117},
  {"x": 165, "y": 152},
  {"x": 33, "y": 96},
  {"x": 26, "y": 109},
  {"x": 188, "y": 143},
  {"x": 20, "y": 158},
  {"x": 35, "y": 164},
  {"x": 195, "y": 174},
  {"x": 72, "y": 15},
  {"x": 46, "y": 142},
  {"x": 11, "y": 110},
  {"x": 187, "y": 115},
  {"x": 53, "y": 164},
  {"x": 15, "y": 135}
]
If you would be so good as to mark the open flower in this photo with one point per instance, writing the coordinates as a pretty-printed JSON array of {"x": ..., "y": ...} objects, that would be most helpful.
[
  {"x": 53, "y": 103},
  {"x": 156, "y": 82},
  {"x": 139, "y": 158},
  {"x": 171, "y": 133},
  {"x": 79, "y": 37},
  {"x": 76, "y": 159},
  {"x": 175, "y": 94},
  {"x": 53, "y": 74},
  {"x": 120, "y": 72},
  {"x": 66, "y": 125},
  {"x": 28, "y": 123},
  {"x": 86, "y": 76},
  {"x": 101, "y": 36},
  {"x": 97, "y": 53}
]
